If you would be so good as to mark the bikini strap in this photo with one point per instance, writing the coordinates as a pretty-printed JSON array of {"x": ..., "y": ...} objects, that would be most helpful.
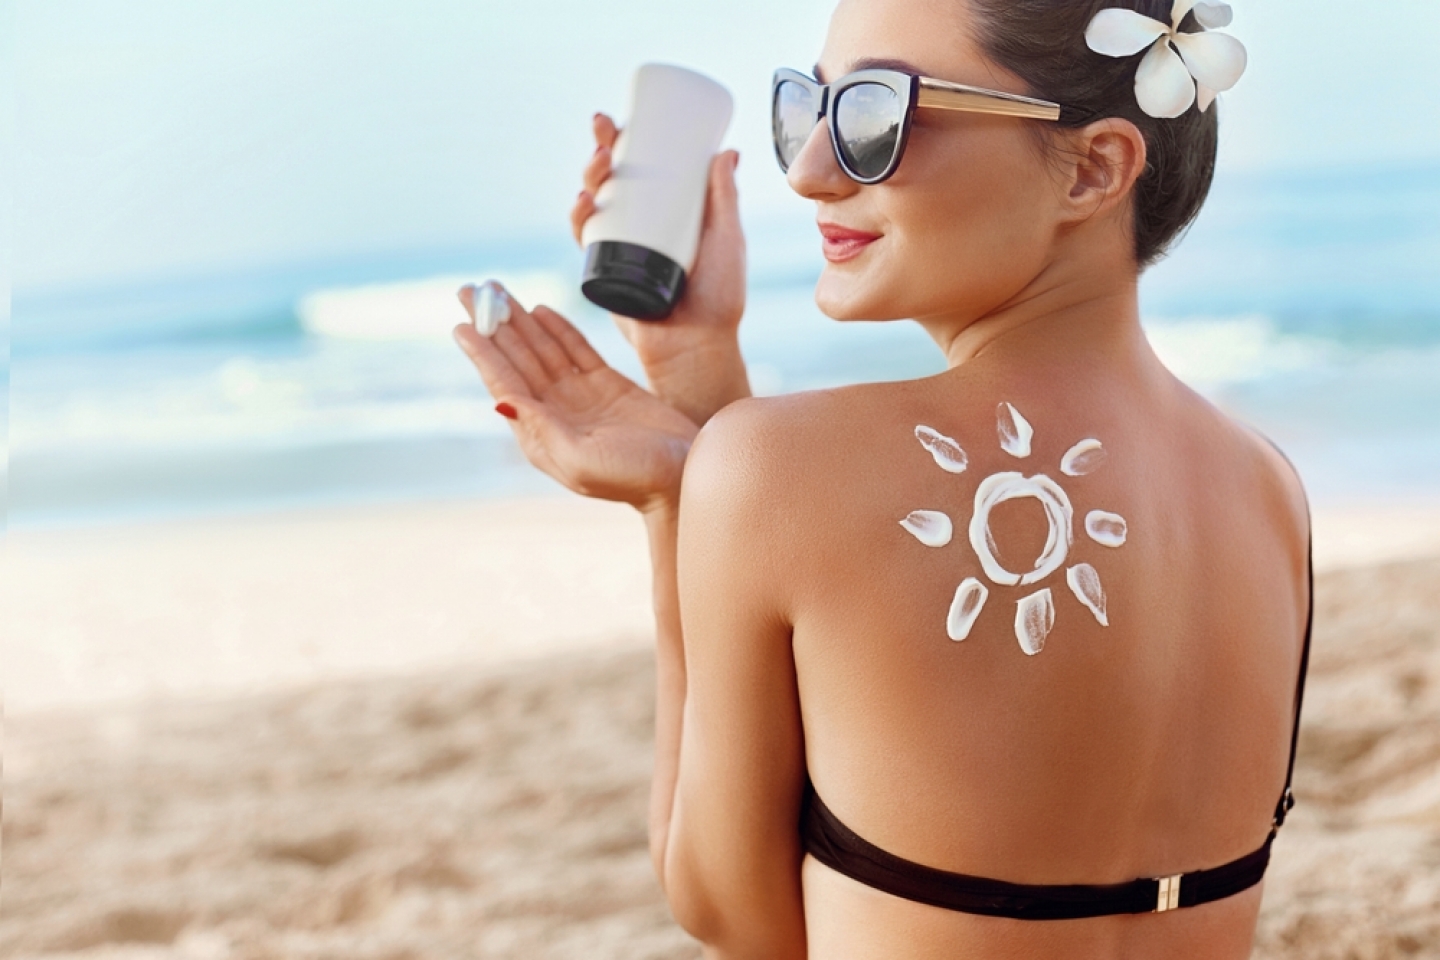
[
  {"x": 832, "y": 843},
  {"x": 1287, "y": 796}
]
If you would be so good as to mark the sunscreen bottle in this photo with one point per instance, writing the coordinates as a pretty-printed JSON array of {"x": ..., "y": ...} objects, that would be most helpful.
[{"x": 642, "y": 239}]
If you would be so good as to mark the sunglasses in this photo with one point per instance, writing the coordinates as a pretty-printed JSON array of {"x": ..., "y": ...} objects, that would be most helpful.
[{"x": 869, "y": 113}]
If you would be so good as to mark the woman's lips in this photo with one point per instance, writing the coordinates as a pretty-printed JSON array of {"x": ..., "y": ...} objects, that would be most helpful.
[{"x": 841, "y": 243}]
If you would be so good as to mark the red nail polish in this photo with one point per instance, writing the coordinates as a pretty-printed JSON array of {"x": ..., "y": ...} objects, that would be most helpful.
[{"x": 507, "y": 411}]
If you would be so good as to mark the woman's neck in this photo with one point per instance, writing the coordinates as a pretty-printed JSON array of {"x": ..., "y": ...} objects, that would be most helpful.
[{"x": 1077, "y": 308}]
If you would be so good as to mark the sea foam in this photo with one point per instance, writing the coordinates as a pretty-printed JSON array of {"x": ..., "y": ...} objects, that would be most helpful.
[{"x": 419, "y": 309}]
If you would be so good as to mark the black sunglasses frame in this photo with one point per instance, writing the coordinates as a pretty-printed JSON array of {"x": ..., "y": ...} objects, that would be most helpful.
[{"x": 914, "y": 92}]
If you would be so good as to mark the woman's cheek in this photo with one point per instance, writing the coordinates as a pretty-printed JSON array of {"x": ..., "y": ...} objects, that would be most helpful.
[{"x": 977, "y": 247}]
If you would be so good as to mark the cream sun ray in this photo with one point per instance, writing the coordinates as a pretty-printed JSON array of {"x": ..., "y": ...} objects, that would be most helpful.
[
  {"x": 947, "y": 453},
  {"x": 930, "y": 527},
  {"x": 1015, "y": 431},
  {"x": 1084, "y": 581},
  {"x": 1087, "y": 456},
  {"x": 1105, "y": 528},
  {"x": 965, "y": 608},
  {"x": 1034, "y": 619}
]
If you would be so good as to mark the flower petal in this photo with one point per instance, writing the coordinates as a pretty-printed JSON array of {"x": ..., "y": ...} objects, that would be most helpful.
[
  {"x": 1213, "y": 16},
  {"x": 1204, "y": 96},
  {"x": 1177, "y": 13},
  {"x": 1215, "y": 59},
  {"x": 1119, "y": 33},
  {"x": 1163, "y": 85}
]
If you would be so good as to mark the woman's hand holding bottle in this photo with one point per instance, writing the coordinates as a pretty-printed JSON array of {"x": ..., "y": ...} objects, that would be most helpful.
[
  {"x": 692, "y": 358},
  {"x": 576, "y": 418}
]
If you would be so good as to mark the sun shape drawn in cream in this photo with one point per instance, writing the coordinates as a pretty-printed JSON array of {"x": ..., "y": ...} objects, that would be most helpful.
[{"x": 1034, "y": 612}]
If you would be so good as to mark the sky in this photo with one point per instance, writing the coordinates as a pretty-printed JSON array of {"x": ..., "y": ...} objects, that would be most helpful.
[{"x": 166, "y": 138}]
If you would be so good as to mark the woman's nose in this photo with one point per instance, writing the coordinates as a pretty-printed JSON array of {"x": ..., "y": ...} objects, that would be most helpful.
[{"x": 815, "y": 174}]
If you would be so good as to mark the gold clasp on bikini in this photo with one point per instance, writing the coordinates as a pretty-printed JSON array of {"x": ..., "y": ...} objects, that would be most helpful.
[{"x": 1169, "y": 896}]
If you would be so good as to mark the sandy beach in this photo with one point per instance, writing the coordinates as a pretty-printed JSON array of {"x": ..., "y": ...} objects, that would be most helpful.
[{"x": 424, "y": 732}]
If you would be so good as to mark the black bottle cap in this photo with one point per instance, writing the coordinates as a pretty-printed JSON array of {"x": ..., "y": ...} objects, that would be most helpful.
[{"x": 632, "y": 280}]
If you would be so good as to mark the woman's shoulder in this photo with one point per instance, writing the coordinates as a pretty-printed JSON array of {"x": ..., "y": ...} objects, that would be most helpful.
[
  {"x": 758, "y": 486},
  {"x": 1254, "y": 468},
  {"x": 800, "y": 430},
  {"x": 1262, "y": 463},
  {"x": 787, "y": 448},
  {"x": 1278, "y": 482}
]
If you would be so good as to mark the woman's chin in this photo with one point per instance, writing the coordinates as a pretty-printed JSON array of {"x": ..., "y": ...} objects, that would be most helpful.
[
  {"x": 843, "y": 293},
  {"x": 840, "y": 294}
]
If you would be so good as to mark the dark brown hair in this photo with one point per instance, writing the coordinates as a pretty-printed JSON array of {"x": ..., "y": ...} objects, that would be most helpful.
[{"x": 1043, "y": 43}]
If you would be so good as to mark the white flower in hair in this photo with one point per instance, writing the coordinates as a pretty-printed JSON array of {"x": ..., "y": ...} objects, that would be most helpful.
[{"x": 1180, "y": 68}]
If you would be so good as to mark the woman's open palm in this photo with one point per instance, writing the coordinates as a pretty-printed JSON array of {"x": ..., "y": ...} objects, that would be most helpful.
[{"x": 576, "y": 418}]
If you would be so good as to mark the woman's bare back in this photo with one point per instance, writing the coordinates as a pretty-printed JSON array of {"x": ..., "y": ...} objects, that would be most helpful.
[{"x": 1150, "y": 746}]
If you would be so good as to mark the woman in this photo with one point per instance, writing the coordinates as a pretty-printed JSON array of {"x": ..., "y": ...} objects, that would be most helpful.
[{"x": 1017, "y": 645}]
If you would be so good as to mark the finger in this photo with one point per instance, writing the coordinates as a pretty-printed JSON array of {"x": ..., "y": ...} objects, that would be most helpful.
[
  {"x": 543, "y": 436},
  {"x": 523, "y": 359},
  {"x": 584, "y": 207},
  {"x": 606, "y": 133},
  {"x": 495, "y": 328},
  {"x": 487, "y": 304},
  {"x": 583, "y": 356},
  {"x": 546, "y": 348},
  {"x": 597, "y": 169},
  {"x": 496, "y": 372},
  {"x": 722, "y": 199}
]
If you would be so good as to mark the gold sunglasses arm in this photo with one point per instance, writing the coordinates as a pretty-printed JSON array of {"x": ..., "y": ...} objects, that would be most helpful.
[{"x": 956, "y": 96}]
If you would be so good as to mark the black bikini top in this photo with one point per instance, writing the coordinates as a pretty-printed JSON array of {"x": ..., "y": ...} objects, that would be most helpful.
[{"x": 837, "y": 846}]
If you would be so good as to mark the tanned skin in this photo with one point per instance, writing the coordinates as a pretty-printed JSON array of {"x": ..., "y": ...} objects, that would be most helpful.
[{"x": 800, "y": 629}]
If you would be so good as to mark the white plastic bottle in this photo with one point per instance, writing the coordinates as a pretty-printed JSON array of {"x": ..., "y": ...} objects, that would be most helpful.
[{"x": 641, "y": 241}]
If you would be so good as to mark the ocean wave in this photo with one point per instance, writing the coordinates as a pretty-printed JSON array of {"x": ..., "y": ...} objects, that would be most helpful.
[
  {"x": 322, "y": 392},
  {"x": 421, "y": 309},
  {"x": 1210, "y": 352}
]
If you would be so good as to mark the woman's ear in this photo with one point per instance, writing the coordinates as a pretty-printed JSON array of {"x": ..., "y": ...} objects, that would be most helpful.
[{"x": 1104, "y": 161}]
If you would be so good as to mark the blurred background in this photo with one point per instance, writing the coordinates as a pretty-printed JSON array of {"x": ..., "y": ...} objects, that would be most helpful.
[
  {"x": 239, "y": 227},
  {"x": 302, "y": 660}
]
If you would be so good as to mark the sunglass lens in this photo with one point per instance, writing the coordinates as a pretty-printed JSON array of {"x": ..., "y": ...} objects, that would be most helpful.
[
  {"x": 867, "y": 127},
  {"x": 795, "y": 115}
]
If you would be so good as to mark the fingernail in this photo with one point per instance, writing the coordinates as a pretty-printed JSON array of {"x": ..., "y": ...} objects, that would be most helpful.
[
  {"x": 507, "y": 411},
  {"x": 492, "y": 308}
]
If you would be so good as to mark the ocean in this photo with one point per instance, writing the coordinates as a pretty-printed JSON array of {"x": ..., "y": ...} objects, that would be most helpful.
[{"x": 1307, "y": 304}]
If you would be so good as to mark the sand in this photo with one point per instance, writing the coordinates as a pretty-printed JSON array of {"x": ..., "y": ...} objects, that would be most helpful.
[
  {"x": 252, "y": 604},
  {"x": 424, "y": 732}
]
